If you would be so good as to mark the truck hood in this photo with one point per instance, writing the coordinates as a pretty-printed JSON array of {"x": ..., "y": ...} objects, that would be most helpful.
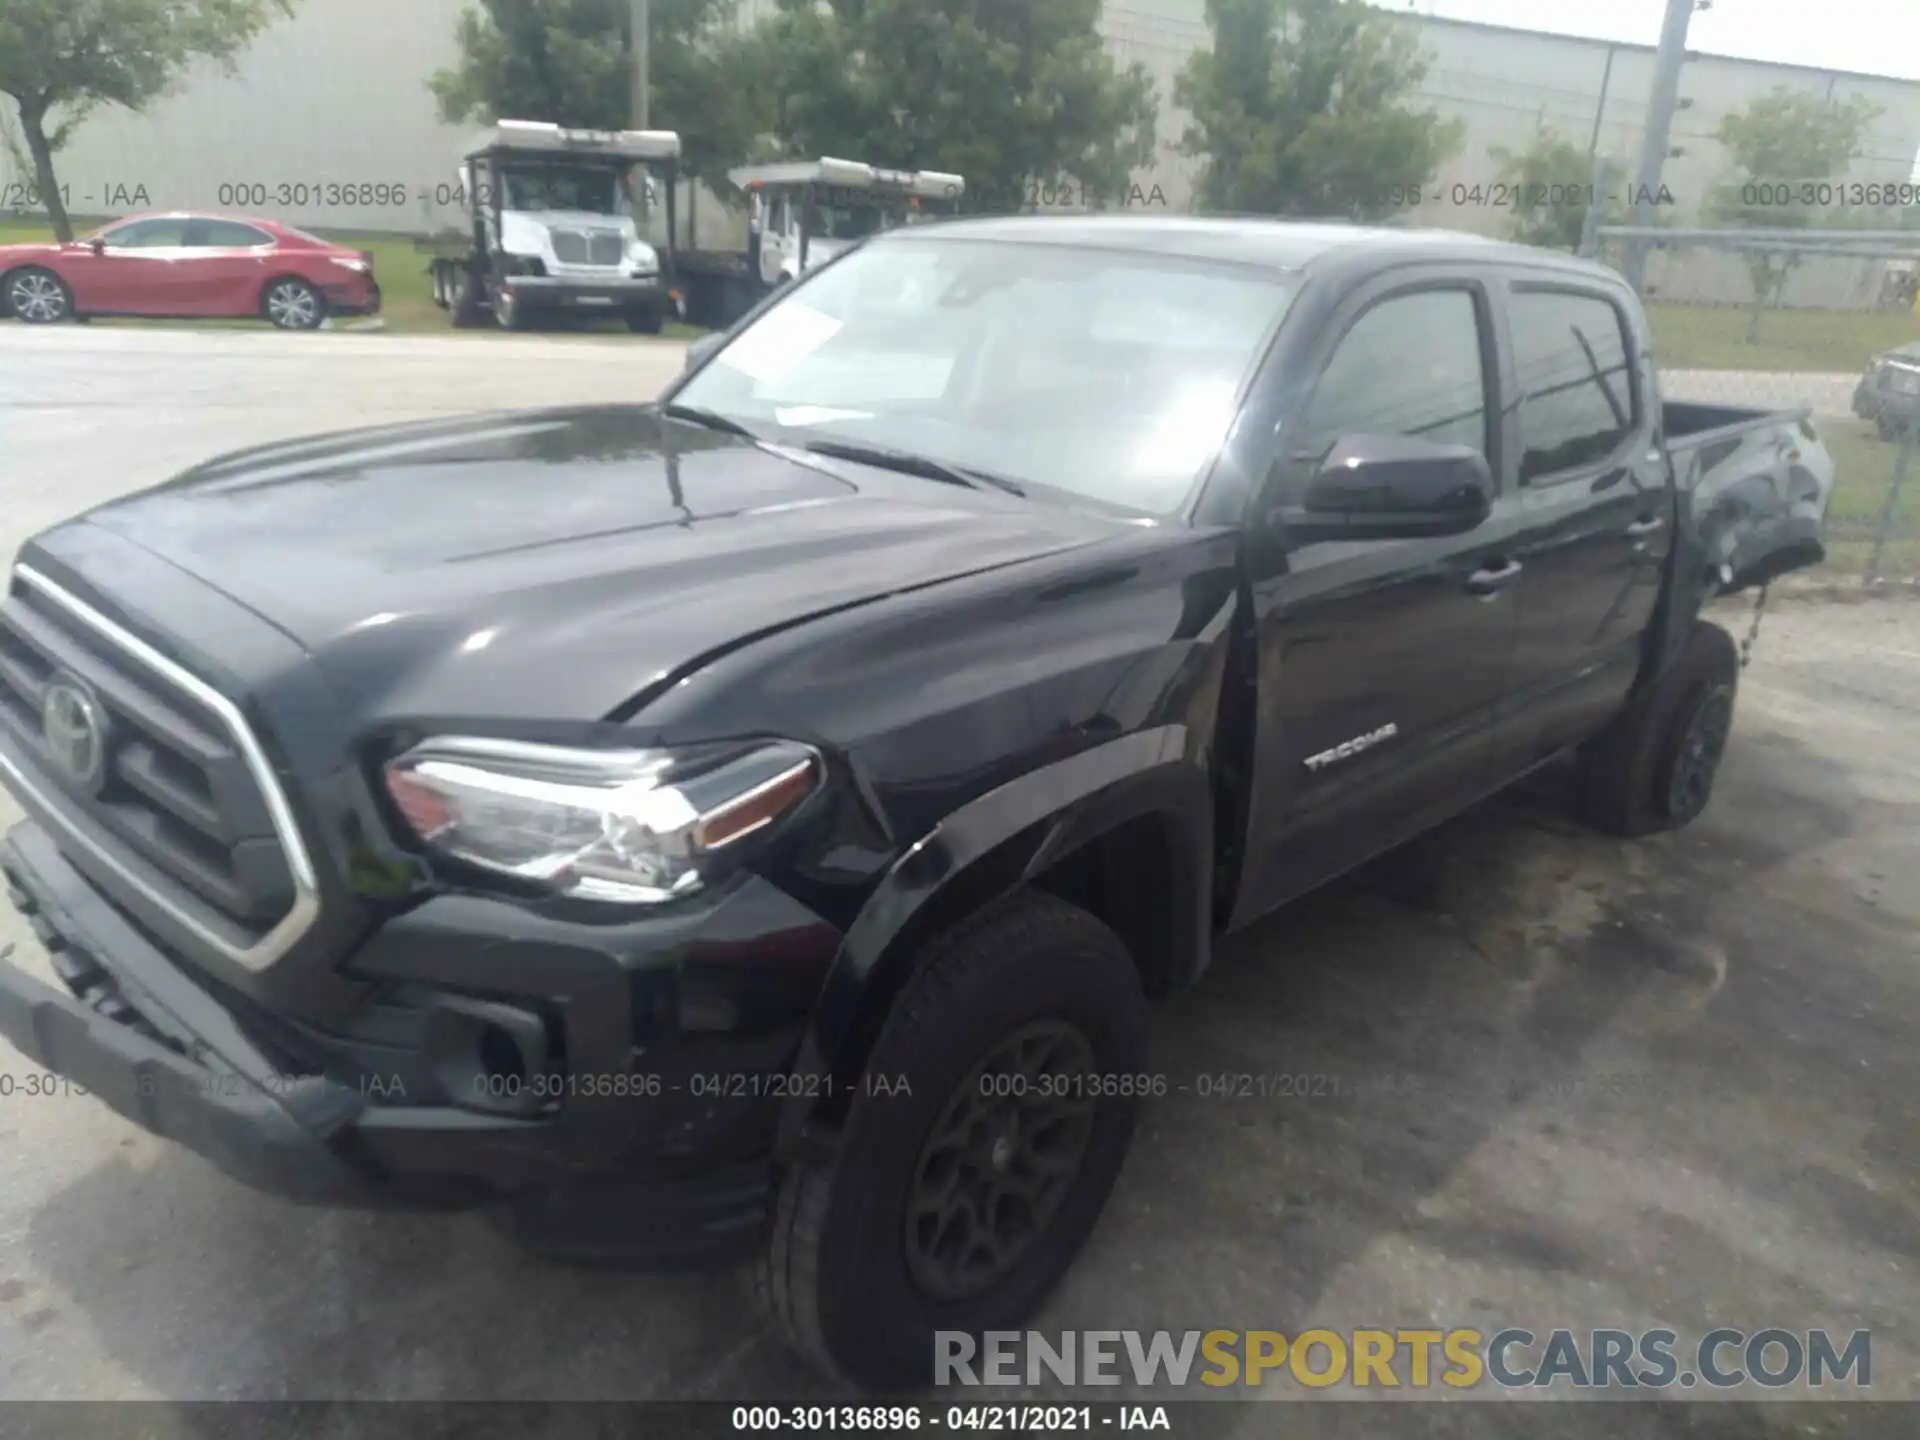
[
  {"x": 559, "y": 564},
  {"x": 573, "y": 219}
]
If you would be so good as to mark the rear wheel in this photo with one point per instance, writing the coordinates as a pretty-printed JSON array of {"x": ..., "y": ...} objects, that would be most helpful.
[
  {"x": 995, "y": 1114},
  {"x": 1654, "y": 767},
  {"x": 292, "y": 304},
  {"x": 38, "y": 296}
]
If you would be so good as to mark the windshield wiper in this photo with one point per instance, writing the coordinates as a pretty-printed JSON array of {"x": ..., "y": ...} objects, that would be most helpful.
[
  {"x": 712, "y": 419},
  {"x": 907, "y": 463}
]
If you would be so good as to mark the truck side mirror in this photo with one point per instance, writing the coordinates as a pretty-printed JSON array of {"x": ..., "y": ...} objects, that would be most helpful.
[
  {"x": 1390, "y": 487},
  {"x": 699, "y": 351}
]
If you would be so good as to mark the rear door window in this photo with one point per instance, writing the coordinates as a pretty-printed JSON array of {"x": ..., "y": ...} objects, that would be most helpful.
[
  {"x": 225, "y": 235},
  {"x": 1575, "y": 370}
]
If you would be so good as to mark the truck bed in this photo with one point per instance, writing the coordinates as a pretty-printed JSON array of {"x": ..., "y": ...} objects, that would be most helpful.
[{"x": 1753, "y": 487}]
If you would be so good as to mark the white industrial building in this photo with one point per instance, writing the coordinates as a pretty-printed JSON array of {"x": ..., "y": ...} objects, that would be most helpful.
[{"x": 337, "y": 97}]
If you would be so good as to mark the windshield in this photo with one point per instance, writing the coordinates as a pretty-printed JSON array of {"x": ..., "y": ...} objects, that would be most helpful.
[
  {"x": 851, "y": 221},
  {"x": 551, "y": 187},
  {"x": 1108, "y": 374}
]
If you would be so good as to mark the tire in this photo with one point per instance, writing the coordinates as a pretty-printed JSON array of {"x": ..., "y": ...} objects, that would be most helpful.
[
  {"x": 646, "y": 322},
  {"x": 1887, "y": 427},
  {"x": 508, "y": 313},
  {"x": 38, "y": 296},
  {"x": 837, "y": 1275},
  {"x": 292, "y": 304},
  {"x": 1653, "y": 768},
  {"x": 468, "y": 311}
]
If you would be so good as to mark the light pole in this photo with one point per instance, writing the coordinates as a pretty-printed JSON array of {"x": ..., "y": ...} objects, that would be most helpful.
[
  {"x": 640, "y": 40},
  {"x": 1661, "y": 104},
  {"x": 640, "y": 21}
]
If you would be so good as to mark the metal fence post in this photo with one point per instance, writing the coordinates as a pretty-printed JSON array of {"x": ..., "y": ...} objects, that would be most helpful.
[
  {"x": 1909, "y": 443},
  {"x": 1603, "y": 173}
]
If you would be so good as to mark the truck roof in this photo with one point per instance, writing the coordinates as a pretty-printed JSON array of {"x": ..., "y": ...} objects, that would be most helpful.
[
  {"x": 851, "y": 175},
  {"x": 543, "y": 137},
  {"x": 1287, "y": 245}
]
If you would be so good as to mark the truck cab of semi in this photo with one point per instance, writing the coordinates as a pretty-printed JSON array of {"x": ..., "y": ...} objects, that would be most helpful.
[
  {"x": 800, "y": 215},
  {"x": 552, "y": 228}
]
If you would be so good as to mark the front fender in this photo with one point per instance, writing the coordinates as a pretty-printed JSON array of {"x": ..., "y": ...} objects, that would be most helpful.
[{"x": 985, "y": 849}]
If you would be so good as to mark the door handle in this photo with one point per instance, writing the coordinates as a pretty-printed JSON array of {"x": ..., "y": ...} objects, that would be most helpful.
[
  {"x": 1645, "y": 527},
  {"x": 1492, "y": 581}
]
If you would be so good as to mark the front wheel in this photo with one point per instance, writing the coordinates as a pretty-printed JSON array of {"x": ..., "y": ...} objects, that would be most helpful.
[
  {"x": 508, "y": 312},
  {"x": 293, "y": 304},
  {"x": 991, "y": 1123},
  {"x": 38, "y": 296},
  {"x": 646, "y": 322}
]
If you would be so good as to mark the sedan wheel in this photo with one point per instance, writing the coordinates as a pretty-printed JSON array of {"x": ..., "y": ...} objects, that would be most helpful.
[
  {"x": 294, "y": 305},
  {"x": 39, "y": 297}
]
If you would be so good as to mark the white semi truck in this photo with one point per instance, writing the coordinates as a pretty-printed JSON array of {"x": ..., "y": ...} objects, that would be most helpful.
[{"x": 552, "y": 228}]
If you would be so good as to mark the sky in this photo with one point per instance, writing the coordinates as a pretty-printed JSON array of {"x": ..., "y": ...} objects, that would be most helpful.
[{"x": 1875, "y": 37}]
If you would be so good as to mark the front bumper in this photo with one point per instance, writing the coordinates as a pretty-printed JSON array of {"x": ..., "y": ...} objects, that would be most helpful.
[
  {"x": 144, "y": 1036},
  {"x": 614, "y": 295},
  {"x": 130, "y": 1048},
  {"x": 353, "y": 299}
]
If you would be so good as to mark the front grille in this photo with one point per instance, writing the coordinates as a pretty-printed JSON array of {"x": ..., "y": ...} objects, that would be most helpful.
[
  {"x": 176, "y": 791},
  {"x": 588, "y": 247}
]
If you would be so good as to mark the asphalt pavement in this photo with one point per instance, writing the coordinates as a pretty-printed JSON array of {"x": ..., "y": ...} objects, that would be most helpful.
[{"x": 1566, "y": 1081}]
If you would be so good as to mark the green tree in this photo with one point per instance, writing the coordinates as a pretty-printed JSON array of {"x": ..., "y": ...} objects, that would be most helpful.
[
  {"x": 1786, "y": 138},
  {"x": 1551, "y": 182},
  {"x": 1306, "y": 107},
  {"x": 1009, "y": 93},
  {"x": 60, "y": 60},
  {"x": 570, "y": 62}
]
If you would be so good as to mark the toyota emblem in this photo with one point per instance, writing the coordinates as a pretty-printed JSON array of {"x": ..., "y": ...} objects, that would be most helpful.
[{"x": 76, "y": 733}]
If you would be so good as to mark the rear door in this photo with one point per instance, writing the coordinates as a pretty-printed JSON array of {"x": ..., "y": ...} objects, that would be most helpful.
[
  {"x": 1594, "y": 510},
  {"x": 226, "y": 267},
  {"x": 1381, "y": 664}
]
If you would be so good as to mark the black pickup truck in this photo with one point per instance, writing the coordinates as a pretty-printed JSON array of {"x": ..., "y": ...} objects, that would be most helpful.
[{"x": 756, "y": 821}]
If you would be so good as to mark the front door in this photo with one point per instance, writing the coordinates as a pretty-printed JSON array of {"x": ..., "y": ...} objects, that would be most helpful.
[
  {"x": 779, "y": 244},
  {"x": 136, "y": 272},
  {"x": 1381, "y": 664}
]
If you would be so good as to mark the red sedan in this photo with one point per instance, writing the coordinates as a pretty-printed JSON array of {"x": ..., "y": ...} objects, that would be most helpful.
[{"x": 188, "y": 265}]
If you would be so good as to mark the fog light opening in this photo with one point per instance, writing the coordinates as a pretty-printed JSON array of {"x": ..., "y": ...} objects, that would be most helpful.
[{"x": 502, "y": 1062}]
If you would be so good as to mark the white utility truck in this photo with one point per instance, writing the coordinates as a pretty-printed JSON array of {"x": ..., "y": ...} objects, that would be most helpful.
[{"x": 800, "y": 214}]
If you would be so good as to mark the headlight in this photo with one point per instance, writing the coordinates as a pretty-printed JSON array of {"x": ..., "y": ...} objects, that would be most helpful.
[
  {"x": 358, "y": 266},
  {"x": 642, "y": 258},
  {"x": 629, "y": 826}
]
